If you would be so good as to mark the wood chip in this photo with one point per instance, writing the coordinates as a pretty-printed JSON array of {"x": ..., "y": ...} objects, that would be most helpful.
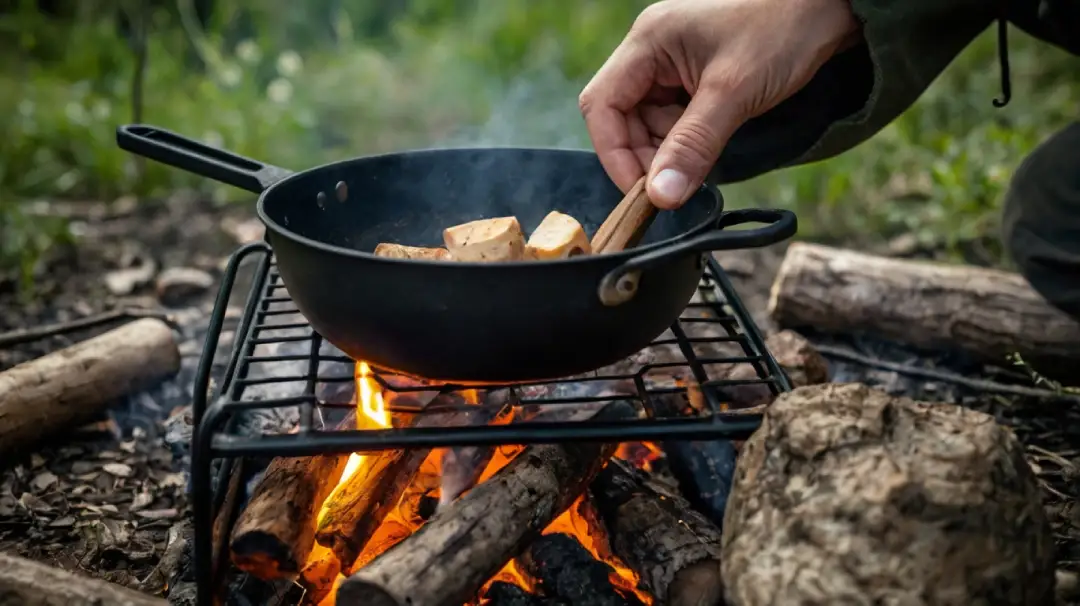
[
  {"x": 119, "y": 470},
  {"x": 63, "y": 522},
  {"x": 158, "y": 514}
]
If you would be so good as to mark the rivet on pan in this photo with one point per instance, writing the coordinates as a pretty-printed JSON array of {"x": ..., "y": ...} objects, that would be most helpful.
[
  {"x": 320, "y": 199},
  {"x": 342, "y": 191}
]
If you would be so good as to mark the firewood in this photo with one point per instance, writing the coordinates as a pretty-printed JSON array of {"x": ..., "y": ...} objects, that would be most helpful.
[
  {"x": 27, "y": 583},
  {"x": 400, "y": 251},
  {"x": 627, "y": 222},
  {"x": 559, "y": 236},
  {"x": 276, "y": 531},
  {"x": 847, "y": 495},
  {"x": 357, "y": 509},
  {"x": 67, "y": 388},
  {"x": 567, "y": 573},
  {"x": 675, "y": 549},
  {"x": 987, "y": 312},
  {"x": 486, "y": 240},
  {"x": 462, "y": 546},
  {"x": 704, "y": 469}
]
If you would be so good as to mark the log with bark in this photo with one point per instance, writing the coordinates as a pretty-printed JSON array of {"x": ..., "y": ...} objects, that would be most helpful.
[
  {"x": 27, "y": 583},
  {"x": 464, "y": 545},
  {"x": 704, "y": 469},
  {"x": 276, "y": 531},
  {"x": 675, "y": 549},
  {"x": 69, "y": 387},
  {"x": 987, "y": 312},
  {"x": 847, "y": 495}
]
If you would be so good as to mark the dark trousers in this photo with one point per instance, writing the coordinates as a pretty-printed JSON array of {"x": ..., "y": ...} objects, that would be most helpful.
[{"x": 1041, "y": 222}]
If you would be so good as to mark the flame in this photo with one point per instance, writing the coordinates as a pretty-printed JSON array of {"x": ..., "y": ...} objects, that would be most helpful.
[
  {"x": 371, "y": 413},
  {"x": 639, "y": 454}
]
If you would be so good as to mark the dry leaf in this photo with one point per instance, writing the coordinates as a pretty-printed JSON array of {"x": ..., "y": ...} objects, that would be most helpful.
[
  {"x": 43, "y": 481},
  {"x": 119, "y": 470},
  {"x": 63, "y": 522}
]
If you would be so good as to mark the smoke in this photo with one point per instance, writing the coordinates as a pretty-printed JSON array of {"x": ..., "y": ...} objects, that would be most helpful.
[{"x": 535, "y": 109}]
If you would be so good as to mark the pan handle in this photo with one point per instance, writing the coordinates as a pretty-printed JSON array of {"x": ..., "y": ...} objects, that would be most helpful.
[
  {"x": 620, "y": 284},
  {"x": 187, "y": 154}
]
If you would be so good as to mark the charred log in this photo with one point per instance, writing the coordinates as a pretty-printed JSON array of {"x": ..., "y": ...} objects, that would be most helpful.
[
  {"x": 69, "y": 387},
  {"x": 675, "y": 549},
  {"x": 461, "y": 547},
  {"x": 567, "y": 572},
  {"x": 988, "y": 313},
  {"x": 843, "y": 481},
  {"x": 705, "y": 469},
  {"x": 505, "y": 594},
  {"x": 27, "y": 583},
  {"x": 276, "y": 531}
]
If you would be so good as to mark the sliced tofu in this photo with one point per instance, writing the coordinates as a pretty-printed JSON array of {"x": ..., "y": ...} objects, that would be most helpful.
[
  {"x": 400, "y": 251},
  {"x": 559, "y": 236},
  {"x": 486, "y": 240}
]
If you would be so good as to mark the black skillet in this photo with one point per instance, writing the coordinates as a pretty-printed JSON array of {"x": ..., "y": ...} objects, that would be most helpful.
[{"x": 469, "y": 322}]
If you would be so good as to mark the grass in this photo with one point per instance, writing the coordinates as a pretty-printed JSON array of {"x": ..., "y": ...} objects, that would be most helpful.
[{"x": 434, "y": 72}]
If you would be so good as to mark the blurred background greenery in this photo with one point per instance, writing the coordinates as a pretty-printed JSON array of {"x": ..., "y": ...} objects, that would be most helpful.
[{"x": 298, "y": 83}]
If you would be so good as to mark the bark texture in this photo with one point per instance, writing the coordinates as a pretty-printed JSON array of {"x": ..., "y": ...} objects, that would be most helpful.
[
  {"x": 27, "y": 583},
  {"x": 675, "y": 549},
  {"x": 987, "y": 312},
  {"x": 68, "y": 387},
  {"x": 847, "y": 495}
]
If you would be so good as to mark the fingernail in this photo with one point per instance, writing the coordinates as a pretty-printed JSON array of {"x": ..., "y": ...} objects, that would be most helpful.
[{"x": 669, "y": 185}]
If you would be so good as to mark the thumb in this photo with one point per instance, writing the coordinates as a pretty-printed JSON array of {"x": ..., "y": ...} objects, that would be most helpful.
[{"x": 692, "y": 147}]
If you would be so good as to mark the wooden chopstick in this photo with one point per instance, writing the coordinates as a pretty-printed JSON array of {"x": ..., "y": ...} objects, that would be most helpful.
[{"x": 627, "y": 222}]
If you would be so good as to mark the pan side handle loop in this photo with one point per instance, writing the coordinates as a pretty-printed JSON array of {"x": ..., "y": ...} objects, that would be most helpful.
[
  {"x": 198, "y": 158},
  {"x": 620, "y": 284}
]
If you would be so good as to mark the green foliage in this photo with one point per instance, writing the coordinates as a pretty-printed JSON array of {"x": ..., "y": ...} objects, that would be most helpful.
[{"x": 297, "y": 84}]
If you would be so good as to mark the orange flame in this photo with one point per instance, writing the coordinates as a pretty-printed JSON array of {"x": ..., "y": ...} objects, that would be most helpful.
[{"x": 371, "y": 413}]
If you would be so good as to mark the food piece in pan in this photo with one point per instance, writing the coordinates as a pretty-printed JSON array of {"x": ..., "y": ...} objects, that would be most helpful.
[
  {"x": 486, "y": 240},
  {"x": 400, "y": 251},
  {"x": 558, "y": 236}
]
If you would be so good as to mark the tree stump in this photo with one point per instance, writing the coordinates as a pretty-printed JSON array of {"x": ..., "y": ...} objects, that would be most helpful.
[{"x": 847, "y": 495}]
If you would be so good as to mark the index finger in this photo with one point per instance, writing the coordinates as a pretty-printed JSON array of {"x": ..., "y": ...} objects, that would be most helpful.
[{"x": 607, "y": 104}]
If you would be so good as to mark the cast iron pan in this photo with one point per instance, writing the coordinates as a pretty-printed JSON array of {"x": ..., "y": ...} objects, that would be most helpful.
[{"x": 469, "y": 322}]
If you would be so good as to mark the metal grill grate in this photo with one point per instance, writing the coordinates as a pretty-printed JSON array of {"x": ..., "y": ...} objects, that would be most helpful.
[{"x": 278, "y": 362}]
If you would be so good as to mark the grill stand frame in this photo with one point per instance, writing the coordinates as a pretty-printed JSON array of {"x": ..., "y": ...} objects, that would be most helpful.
[{"x": 214, "y": 416}]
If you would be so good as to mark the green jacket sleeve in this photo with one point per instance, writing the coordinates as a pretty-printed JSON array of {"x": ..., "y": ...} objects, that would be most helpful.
[{"x": 906, "y": 44}]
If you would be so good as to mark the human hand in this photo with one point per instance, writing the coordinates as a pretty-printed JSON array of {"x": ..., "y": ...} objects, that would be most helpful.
[{"x": 733, "y": 59}]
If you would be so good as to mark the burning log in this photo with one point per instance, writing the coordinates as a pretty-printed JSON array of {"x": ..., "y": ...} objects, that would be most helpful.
[
  {"x": 675, "y": 549},
  {"x": 464, "y": 545},
  {"x": 705, "y": 469},
  {"x": 42, "y": 397},
  {"x": 843, "y": 482},
  {"x": 276, "y": 531},
  {"x": 486, "y": 240},
  {"x": 356, "y": 510},
  {"x": 27, "y": 583},
  {"x": 567, "y": 572},
  {"x": 989, "y": 313}
]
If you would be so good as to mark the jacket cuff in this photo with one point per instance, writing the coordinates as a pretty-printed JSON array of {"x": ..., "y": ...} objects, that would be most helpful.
[{"x": 906, "y": 45}]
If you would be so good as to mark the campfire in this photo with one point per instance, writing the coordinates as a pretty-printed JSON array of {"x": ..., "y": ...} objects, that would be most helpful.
[
  {"x": 364, "y": 504},
  {"x": 478, "y": 496}
]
